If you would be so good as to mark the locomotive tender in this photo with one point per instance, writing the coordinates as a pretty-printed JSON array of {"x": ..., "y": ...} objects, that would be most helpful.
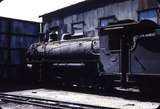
[{"x": 127, "y": 48}]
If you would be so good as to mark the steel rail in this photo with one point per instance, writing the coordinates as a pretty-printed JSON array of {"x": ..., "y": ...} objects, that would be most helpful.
[{"x": 53, "y": 104}]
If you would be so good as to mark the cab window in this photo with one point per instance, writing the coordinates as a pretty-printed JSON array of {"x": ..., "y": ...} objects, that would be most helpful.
[{"x": 114, "y": 42}]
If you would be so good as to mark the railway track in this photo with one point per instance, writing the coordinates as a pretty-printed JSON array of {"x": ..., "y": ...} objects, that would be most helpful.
[{"x": 45, "y": 103}]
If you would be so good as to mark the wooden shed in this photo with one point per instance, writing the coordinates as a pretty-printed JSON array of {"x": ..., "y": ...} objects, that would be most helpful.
[{"x": 86, "y": 16}]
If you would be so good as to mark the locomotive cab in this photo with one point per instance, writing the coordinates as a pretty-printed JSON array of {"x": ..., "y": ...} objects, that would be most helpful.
[{"x": 137, "y": 53}]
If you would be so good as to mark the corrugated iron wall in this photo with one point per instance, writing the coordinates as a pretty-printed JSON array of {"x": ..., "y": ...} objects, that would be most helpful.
[
  {"x": 15, "y": 37},
  {"x": 126, "y": 9},
  {"x": 120, "y": 10}
]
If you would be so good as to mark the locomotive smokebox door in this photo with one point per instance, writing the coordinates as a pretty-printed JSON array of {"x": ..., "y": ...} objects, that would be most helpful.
[{"x": 116, "y": 45}]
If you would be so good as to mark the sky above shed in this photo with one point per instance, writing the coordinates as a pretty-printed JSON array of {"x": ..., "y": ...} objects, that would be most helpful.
[{"x": 31, "y": 9}]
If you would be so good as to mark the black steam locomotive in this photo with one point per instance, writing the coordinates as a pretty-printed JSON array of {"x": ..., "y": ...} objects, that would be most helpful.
[{"x": 126, "y": 50}]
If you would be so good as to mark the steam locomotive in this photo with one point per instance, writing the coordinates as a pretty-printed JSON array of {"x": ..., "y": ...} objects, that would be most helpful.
[{"x": 127, "y": 50}]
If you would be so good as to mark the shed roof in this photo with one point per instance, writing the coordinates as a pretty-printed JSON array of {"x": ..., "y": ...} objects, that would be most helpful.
[{"x": 80, "y": 7}]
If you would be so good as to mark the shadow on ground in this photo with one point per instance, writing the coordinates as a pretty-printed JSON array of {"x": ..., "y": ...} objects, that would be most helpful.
[{"x": 127, "y": 94}]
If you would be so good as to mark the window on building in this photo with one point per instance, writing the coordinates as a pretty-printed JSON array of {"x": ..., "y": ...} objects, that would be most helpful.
[
  {"x": 106, "y": 20},
  {"x": 149, "y": 15},
  {"x": 78, "y": 28}
]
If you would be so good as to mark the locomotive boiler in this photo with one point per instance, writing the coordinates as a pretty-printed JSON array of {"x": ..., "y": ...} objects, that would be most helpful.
[{"x": 69, "y": 48}]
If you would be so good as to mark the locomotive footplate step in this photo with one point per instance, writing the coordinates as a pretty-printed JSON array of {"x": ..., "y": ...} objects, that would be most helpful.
[{"x": 74, "y": 100}]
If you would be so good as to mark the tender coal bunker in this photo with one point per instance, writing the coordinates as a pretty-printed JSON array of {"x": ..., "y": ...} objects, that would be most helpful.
[{"x": 150, "y": 43}]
